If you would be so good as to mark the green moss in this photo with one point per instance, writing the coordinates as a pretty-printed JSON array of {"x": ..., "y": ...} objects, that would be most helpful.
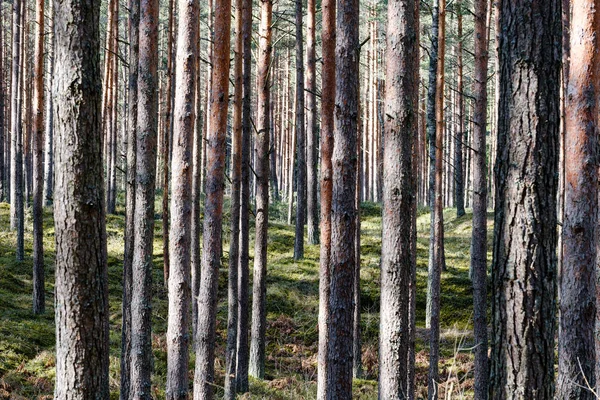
[{"x": 27, "y": 341}]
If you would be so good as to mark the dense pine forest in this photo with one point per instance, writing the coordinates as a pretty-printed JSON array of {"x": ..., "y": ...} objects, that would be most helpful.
[{"x": 277, "y": 199}]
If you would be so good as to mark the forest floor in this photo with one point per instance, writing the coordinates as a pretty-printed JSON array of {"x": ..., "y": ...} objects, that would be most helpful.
[{"x": 27, "y": 341}]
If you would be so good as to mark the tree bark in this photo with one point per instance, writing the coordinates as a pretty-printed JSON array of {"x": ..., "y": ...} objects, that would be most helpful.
[
  {"x": 49, "y": 129},
  {"x": 166, "y": 144},
  {"x": 524, "y": 270},
  {"x": 242, "y": 359},
  {"x": 147, "y": 127},
  {"x": 300, "y": 139},
  {"x": 2, "y": 106},
  {"x": 479, "y": 233},
  {"x": 38, "y": 164},
  {"x": 312, "y": 159},
  {"x": 16, "y": 160},
  {"x": 134, "y": 21},
  {"x": 179, "y": 282},
  {"x": 435, "y": 270},
  {"x": 459, "y": 177},
  {"x": 343, "y": 210},
  {"x": 236, "y": 177},
  {"x": 400, "y": 129},
  {"x": 328, "y": 38},
  {"x": 81, "y": 303},
  {"x": 261, "y": 167},
  {"x": 576, "y": 341},
  {"x": 213, "y": 205}
]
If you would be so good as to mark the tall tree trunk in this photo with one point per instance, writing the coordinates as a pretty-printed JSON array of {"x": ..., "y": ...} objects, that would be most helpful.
[
  {"x": 166, "y": 143},
  {"x": 179, "y": 283},
  {"x": 2, "y": 106},
  {"x": 196, "y": 226},
  {"x": 130, "y": 193},
  {"x": 576, "y": 341},
  {"x": 327, "y": 128},
  {"x": 213, "y": 205},
  {"x": 147, "y": 127},
  {"x": 401, "y": 127},
  {"x": 312, "y": 208},
  {"x": 242, "y": 359},
  {"x": 459, "y": 135},
  {"x": 479, "y": 234},
  {"x": 431, "y": 136},
  {"x": 343, "y": 210},
  {"x": 38, "y": 164},
  {"x": 236, "y": 177},
  {"x": 435, "y": 270},
  {"x": 81, "y": 303},
  {"x": 259, "y": 287},
  {"x": 300, "y": 139},
  {"x": 16, "y": 160},
  {"x": 524, "y": 270},
  {"x": 356, "y": 335},
  {"x": 49, "y": 129}
]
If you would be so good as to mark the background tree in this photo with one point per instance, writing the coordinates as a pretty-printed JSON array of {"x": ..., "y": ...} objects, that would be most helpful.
[
  {"x": 38, "y": 164},
  {"x": 526, "y": 187},
  {"x": 312, "y": 209},
  {"x": 81, "y": 303}
]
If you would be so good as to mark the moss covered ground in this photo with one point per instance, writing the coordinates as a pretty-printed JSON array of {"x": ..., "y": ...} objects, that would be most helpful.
[{"x": 27, "y": 341}]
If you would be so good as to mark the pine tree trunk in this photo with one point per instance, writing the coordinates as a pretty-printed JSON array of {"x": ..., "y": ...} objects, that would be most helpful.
[
  {"x": 300, "y": 139},
  {"x": 259, "y": 287},
  {"x": 459, "y": 177},
  {"x": 435, "y": 270},
  {"x": 312, "y": 159},
  {"x": 81, "y": 303},
  {"x": 166, "y": 144},
  {"x": 327, "y": 128},
  {"x": 343, "y": 210},
  {"x": 401, "y": 128},
  {"x": 576, "y": 341},
  {"x": 38, "y": 164},
  {"x": 179, "y": 282},
  {"x": 479, "y": 234},
  {"x": 524, "y": 270},
  {"x": 134, "y": 21},
  {"x": 49, "y": 128},
  {"x": 242, "y": 359},
  {"x": 2, "y": 106},
  {"x": 213, "y": 205},
  {"x": 147, "y": 127},
  {"x": 236, "y": 176}
]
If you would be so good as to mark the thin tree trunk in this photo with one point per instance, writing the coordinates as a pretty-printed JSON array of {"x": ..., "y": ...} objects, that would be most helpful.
[
  {"x": 38, "y": 162},
  {"x": 576, "y": 341},
  {"x": 435, "y": 271},
  {"x": 179, "y": 282},
  {"x": 166, "y": 143},
  {"x": 327, "y": 128},
  {"x": 81, "y": 269},
  {"x": 479, "y": 234},
  {"x": 134, "y": 21},
  {"x": 343, "y": 210},
  {"x": 312, "y": 208},
  {"x": 147, "y": 127},
  {"x": 524, "y": 270},
  {"x": 459, "y": 177},
  {"x": 213, "y": 206},
  {"x": 2, "y": 105},
  {"x": 401, "y": 128},
  {"x": 236, "y": 176},
  {"x": 300, "y": 139},
  {"x": 259, "y": 287}
]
